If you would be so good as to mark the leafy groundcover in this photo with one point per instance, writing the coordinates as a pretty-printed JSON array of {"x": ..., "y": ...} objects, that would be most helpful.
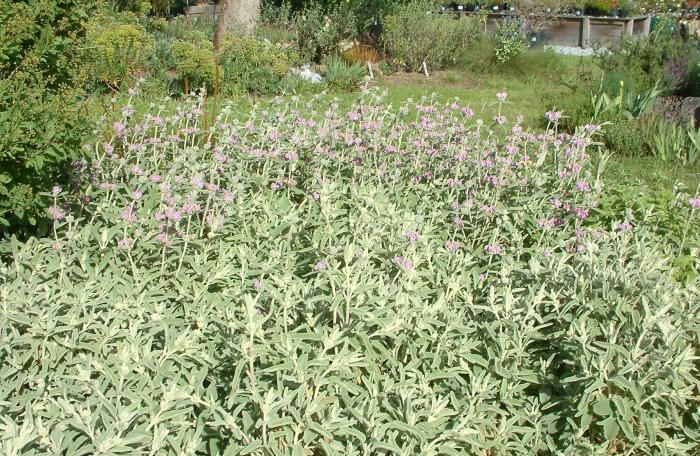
[{"x": 308, "y": 280}]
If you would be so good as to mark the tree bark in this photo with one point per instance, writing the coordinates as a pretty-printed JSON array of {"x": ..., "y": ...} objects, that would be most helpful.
[{"x": 240, "y": 16}]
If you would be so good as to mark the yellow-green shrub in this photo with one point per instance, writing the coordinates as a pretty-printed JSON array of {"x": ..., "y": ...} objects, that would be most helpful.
[
  {"x": 194, "y": 64},
  {"x": 253, "y": 65},
  {"x": 241, "y": 54},
  {"x": 117, "y": 50}
]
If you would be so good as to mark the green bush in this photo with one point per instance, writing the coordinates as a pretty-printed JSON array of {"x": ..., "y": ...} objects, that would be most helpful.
[
  {"x": 195, "y": 65},
  {"x": 41, "y": 116},
  {"x": 509, "y": 41},
  {"x": 630, "y": 136},
  {"x": 413, "y": 35},
  {"x": 323, "y": 31},
  {"x": 41, "y": 131},
  {"x": 339, "y": 75},
  {"x": 252, "y": 65},
  {"x": 117, "y": 50}
]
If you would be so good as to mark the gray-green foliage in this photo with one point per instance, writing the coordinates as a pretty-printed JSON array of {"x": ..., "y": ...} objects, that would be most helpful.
[{"x": 390, "y": 280}]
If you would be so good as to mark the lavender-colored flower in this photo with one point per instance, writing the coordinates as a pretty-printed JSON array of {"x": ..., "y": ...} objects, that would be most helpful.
[
  {"x": 191, "y": 208},
  {"x": 468, "y": 113},
  {"x": 164, "y": 239},
  {"x": 694, "y": 202},
  {"x": 403, "y": 262},
  {"x": 129, "y": 215},
  {"x": 127, "y": 111},
  {"x": 173, "y": 215},
  {"x": 56, "y": 213},
  {"x": 155, "y": 178},
  {"x": 119, "y": 129},
  {"x": 501, "y": 96},
  {"x": 137, "y": 194},
  {"x": 125, "y": 243},
  {"x": 257, "y": 284},
  {"x": 624, "y": 226},
  {"x": 581, "y": 213},
  {"x": 197, "y": 182},
  {"x": 452, "y": 246},
  {"x": 219, "y": 157},
  {"x": 321, "y": 265},
  {"x": 488, "y": 209},
  {"x": 109, "y": 149},
  {"x": 493, "y": 249},
  {"x": 500, "y": 120},
  {"x": 553, "y": 116},
  {"x": 412, "y": 236},
  {"x": 55, "y": 190},
  {"x": 583, "y": 186}
]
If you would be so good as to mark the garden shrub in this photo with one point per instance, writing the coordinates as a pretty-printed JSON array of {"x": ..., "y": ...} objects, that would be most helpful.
[
  {"x": 413, "y": 35},
  {"x": 366, "y": 281},
  {"x": 630, "y": 136},
  {"x": 42, "y": 118},
  {"x": 195, "y": 65},
  {"x": 41, "y": 132},
  {"x": 253, "y": 65},
  {"x": 509, "y": 41},
  {"x": 117, "y": 50},
  {"x": 324, "y": 30}
]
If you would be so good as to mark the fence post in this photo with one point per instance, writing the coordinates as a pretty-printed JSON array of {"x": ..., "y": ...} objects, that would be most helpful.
[
  {"x": 586, "y": 32},
  {"x": 629, "y": 27},
  {"x": 646, "y": 28}
]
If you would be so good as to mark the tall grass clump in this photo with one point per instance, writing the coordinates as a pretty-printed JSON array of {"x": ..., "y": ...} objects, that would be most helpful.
[{"x": 385, "y": 280}]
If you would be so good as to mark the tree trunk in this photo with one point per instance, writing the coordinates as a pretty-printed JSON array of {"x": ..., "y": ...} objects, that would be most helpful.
[{"x": 239, "y": 16}]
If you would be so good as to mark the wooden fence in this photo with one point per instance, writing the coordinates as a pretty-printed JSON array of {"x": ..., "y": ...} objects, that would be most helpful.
[
  {"x": 580, "y": 31},
  {"x": 202, "y": 12}
]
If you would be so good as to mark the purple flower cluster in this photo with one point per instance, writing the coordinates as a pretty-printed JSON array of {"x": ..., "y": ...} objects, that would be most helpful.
[{"x": 403, "y": 263}]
